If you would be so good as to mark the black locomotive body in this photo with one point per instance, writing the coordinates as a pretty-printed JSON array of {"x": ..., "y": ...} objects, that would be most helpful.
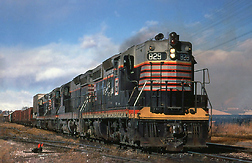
[{"x": 145, "y": 96}]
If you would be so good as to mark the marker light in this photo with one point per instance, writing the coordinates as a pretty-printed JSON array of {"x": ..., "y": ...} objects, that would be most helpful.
[
  {"x": 174, "y": 39},
  {"x": 188, "y": 48},
  {"x": 152, "y": 47}
]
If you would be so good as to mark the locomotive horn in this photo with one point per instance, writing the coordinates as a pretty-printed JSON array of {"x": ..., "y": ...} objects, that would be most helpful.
[{"x": 159, "y": 36}]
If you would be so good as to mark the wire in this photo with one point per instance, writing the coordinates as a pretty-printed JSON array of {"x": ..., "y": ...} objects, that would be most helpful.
[
  {"x": 236, "y": 13},
  {"x": 244, "y": 34},
  {"x": 241, "y": 9}
]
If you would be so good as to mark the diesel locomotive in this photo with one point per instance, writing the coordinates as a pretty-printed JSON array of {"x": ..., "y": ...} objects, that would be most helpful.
[{"x": 145, "y": 96}]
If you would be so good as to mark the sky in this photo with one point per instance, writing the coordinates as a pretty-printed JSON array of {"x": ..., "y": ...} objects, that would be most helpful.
[{"x": 44, "y": 44}]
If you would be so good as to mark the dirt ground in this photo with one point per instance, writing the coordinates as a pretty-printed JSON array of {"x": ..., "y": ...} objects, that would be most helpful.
[
  {"x": 12, "y": 151},
  {"x": 16, "y": 151}
]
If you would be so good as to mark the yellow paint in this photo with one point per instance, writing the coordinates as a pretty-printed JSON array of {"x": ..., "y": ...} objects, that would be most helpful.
[{"x": 146, "y": 114}]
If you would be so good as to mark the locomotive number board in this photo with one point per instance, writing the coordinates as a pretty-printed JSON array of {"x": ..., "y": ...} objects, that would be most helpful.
[
  {"x": 153, "y": 56},
  {"x": 184, "y": 57}
]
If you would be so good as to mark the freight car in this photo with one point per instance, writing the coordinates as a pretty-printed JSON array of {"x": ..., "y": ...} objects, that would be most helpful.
[
  {"x": 145, "y": 96},
  {"x": 24, "y": 116},
  {"x": 16, "y": 116},
  {"x": 27, "y": 117}
]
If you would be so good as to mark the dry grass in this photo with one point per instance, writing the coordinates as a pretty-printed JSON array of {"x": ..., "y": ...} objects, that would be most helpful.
[
  {"x": 233, "y": 130},
  {"x": 232, "y": 134},
  {"x": 12, "y": 129}
]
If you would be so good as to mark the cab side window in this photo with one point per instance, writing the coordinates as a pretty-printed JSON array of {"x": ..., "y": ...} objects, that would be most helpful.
[{"x": 128, "y": 62}]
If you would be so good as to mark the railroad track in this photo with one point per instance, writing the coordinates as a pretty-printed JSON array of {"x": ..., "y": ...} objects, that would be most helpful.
[
  {"x": 224, "y": 152},
  {"x": 228, "y": 147},
  {"x": 75, "y": 147},
  {"x": 215, "y": 151}
]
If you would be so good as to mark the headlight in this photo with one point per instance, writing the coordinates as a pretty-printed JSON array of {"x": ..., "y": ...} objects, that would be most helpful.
[
  {"x": 172, "y": 50},
  {"x": 173, "y": 55}
]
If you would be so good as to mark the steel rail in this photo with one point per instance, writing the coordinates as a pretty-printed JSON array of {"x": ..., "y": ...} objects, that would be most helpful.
[
  {"x": 20, "y": 139},
  {"x": 220, "y": 157},
  {"x": 224, "y": 148},
  {"x": 228, "y": 147}
]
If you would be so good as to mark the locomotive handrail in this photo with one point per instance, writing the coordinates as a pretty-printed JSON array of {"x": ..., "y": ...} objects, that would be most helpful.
[
  {"x": 203, "y": 70},
  {"x": 211, "y": 115},
  {"x": 138, "y": 97},
  {"x": 202, "y": 85},
  {"x": 209, "y": 102},
  {"x": 84, "y": 104},
  {"x": 132, "y": 93}
]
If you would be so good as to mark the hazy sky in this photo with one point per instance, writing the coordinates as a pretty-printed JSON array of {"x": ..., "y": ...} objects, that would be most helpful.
[{"x": 44, "y": 43}]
